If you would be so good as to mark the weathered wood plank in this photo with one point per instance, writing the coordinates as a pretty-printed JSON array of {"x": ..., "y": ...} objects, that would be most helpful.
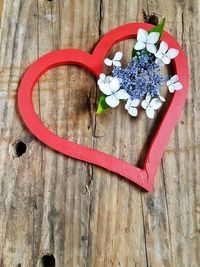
[
  {"x": 58, "y": 200},
  {"x": 18, "y": 175},
  {"x": 81, "y": 214},
  {"x": 1, "y": 7},
  {"x": 171, "y": 223},
  {"x": 117, "y": 215},
  {"x": 65, "y": 95}
]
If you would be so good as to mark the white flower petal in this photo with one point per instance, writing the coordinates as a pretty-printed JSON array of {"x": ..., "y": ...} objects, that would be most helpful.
[
  {"x": 174, "y": 78},
  {"x": 117, "y": 63},
  {"x": 102, "y": 76},
  {"x": 105, "y": 88},
  {"x": 168, "y": 83},
  {"x": 151, "y": 48},
  {"x": 159, "y": 62},
  {"x": 150, "y": 113},
  {"x": 171, "y": 88},
  {"x": 155, "y": 103},
  {"x": 177, "y": 86},
  {"x": 112, "y": 101},
  {"x": 135, "y": 103},
  {"x": 108, "y": 62},
  {"x": 133, "y": 111},
  {"x": 148, "y": 98},
  {"x": 153, "y": 37},
  {"x": 114, "y": 84},
  {"x": 166, "y": 60},
  {"x": 128, "y": 103},
  {"x": 118, "y": 56},
  {"x": 142, "y": 36},
  {"x": 172, "y": 53},
  {"x": 159, "y": 55},
  {"x": 139, "y": 46},
  {"x": 122, "y": 94},
  {"x": 163, "y": 47},
  {"x": 108, "y": 79},
  {"x": 99, "y": 81},
  {"x": 162, "y": 98},
  {"x": 144, "y": 104}
]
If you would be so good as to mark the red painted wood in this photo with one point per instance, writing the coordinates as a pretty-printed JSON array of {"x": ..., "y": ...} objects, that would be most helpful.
[{"x": 94, "y": 62}]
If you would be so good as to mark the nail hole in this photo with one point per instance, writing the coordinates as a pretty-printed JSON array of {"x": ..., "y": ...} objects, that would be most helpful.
[
  {"x": 153, "y": 19},
  {"x": 48, "y": 261},
  {"x": 20, "y": 148}
]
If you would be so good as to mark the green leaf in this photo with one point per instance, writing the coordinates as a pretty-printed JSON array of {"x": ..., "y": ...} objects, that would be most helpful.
[
  {"x": 102, "y": 106},
  {"x": 158, "y": 28}
]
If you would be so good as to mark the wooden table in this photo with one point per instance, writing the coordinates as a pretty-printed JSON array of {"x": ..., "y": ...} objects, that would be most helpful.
[{"x": 56, "y": 211}]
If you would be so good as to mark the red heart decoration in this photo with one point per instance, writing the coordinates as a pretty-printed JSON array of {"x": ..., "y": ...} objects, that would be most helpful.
[{"x": 94, "y": 62}]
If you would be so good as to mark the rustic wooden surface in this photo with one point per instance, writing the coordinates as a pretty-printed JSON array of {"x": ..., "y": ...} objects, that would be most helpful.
[{"x": 77, "y": 213}]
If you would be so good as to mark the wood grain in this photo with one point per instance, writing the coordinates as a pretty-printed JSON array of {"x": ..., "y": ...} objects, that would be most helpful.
[
  {"x": 81, "y": 214},
  {"x": 1, "y": 7}
]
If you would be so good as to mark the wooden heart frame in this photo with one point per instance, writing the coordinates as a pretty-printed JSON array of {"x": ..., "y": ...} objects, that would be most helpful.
[{"x": 144, "y": 177}]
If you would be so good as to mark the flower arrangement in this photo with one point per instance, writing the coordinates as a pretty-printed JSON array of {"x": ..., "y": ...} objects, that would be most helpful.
[{"x": 140, "y": 82}]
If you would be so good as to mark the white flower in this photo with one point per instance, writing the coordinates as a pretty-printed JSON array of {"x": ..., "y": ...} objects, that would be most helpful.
[
  {"x": 111, "y": 89},
  {"x": 165, "y": 55},
  {"x": 115, "y": 61},
  {"x": 173, "y": 84},
  {"x": 161, "y": 98},
  {"x": 150, "y": 105},
  {"x": 131, "y": 106},
  {"x": 148, "y": 41},
  {"x": 103, "y": 78}
]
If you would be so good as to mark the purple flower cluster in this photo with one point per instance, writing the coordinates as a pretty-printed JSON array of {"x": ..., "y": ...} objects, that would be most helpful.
[{"x": 141, "y": 76}]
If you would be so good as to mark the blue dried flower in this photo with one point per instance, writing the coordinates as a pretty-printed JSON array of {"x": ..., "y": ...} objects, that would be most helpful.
[{"x": 142, "y": 76}]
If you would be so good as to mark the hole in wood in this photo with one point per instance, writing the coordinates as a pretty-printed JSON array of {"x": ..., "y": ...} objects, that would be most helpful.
[
  {"x": 20, "y": 148},
  {"x": 152, "y": 19},
  {"x": 48, "y": 261}
]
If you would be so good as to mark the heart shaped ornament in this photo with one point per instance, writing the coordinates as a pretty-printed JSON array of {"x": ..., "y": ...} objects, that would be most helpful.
[{"x": 143, "y": 177}]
